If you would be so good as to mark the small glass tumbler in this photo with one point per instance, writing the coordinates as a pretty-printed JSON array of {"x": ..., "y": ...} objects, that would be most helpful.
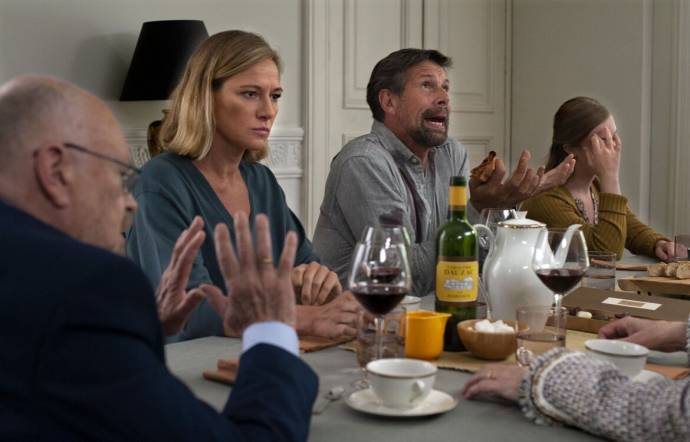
[
  {"x": 539, "y": 329},
  {"x": 392, "y": 341},
  {"x": 601, "y": 273},
  {"x": 681, "y": 247}
]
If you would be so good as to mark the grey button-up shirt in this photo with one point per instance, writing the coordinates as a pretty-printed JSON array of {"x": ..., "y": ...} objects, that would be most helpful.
[{"x": 376, "y": 174}]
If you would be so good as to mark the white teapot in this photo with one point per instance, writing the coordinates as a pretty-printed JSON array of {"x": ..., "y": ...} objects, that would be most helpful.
[{"x": 508, "y": 275}]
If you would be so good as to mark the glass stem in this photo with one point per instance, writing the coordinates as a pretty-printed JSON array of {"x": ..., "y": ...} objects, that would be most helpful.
[
  {"x": 378, "y": 342},
  {"x": 557, "y": 301}
]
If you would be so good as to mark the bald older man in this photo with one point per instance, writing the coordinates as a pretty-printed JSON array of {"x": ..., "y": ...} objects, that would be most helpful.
[{"x": 81, "y": 344}]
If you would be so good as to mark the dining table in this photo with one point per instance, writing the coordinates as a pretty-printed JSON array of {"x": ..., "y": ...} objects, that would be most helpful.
[{"x": 471, "y": 420}]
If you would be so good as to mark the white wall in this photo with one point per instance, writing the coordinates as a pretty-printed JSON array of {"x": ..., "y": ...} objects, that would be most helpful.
[
  {"x": 90, "y": 42},
  {"x": 618, "y": 51},
  {"x": 587, "y": 47},
  {"x": 624, "y": 52}
]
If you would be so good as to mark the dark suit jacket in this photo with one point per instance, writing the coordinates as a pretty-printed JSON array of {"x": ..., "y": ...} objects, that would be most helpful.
[{"x": 81, "y": 355}]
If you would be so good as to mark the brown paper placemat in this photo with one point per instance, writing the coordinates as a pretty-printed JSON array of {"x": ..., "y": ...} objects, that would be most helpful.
[
  {"x": 308, "y": 344},
  {"x": 575, "y": 340},
  {"x": 669, "y": 371},
  {"x": 464, "y": 361},
  {"x": 225, "y": 373},
  {"x": 629, "y": 266}
]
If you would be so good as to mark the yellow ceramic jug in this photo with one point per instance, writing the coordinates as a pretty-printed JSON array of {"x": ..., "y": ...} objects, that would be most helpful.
[{"x": 424, "y": 334}]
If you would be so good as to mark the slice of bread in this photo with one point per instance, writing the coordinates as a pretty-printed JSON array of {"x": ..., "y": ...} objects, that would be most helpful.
[
  {"x": 683, "y": 271},
  {"x": 671, "y": 269},
  {"x": 658, "y": 269}
]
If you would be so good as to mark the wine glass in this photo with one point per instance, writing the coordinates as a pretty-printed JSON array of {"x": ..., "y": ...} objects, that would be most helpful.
[
  {"x": 560, "y": 260},
  {"x": 380, "y": 277},
  {"x": 393, "y": 232}
]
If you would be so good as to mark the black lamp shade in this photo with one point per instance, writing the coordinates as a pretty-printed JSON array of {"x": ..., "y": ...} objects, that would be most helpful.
[{"x": 160, "y": 58}]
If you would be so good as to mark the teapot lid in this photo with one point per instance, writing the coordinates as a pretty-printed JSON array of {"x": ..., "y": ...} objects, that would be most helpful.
[{"x": 521, "y": 223}]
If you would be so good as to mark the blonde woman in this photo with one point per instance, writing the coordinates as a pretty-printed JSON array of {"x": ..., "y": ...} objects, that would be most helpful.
[{"x": 216, "y": 131}]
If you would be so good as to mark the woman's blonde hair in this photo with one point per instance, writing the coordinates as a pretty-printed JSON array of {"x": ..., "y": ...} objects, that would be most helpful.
[{"x": 189, "y": 127}]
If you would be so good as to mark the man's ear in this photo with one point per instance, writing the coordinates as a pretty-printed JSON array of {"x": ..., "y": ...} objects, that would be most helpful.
[
  {"x": 388, "y": 101},
  {"x": 53, "y": 175}
]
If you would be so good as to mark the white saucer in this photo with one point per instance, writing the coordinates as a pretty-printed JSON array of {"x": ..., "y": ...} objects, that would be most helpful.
[
  {"x": 436, "y": 403},
  {"x": 647, "y": 375}
]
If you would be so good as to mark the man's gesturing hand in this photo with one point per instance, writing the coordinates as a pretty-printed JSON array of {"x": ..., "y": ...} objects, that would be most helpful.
[
  {"x": 522, "y": 184},
  {"x": 174, "y": 302},
  {"x": 257, "y": 291}
]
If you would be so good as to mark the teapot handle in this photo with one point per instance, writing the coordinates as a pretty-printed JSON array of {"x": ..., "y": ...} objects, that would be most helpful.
[{"x": 489, "y": 235}]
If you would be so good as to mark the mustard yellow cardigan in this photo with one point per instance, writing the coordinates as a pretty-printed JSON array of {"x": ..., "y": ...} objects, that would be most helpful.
[{"x": 618, "y": 227}]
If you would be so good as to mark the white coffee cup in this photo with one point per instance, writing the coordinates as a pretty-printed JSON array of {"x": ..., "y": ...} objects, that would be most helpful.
[
  {"x": 628, "y": 357},
  {"x": 401, "y": 383},
  {"x": 411, "y": 303}
]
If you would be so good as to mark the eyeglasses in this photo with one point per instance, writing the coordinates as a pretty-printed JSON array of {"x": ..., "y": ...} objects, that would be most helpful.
[{"x": 129, "y": 175}]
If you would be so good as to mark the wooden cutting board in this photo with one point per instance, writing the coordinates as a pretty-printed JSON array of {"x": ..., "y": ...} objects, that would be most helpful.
[{"x": 655, "y": 285}]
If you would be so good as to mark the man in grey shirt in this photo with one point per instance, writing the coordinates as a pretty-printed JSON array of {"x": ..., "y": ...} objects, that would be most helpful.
[{"x": 404, "y": 166}]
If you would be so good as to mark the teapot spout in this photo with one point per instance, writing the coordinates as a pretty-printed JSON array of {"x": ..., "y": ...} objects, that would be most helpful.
[{"x": 564, "y": 246}]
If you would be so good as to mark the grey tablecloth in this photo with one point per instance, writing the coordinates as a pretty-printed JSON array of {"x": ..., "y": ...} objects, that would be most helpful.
[{"x": 469, "y": 421}]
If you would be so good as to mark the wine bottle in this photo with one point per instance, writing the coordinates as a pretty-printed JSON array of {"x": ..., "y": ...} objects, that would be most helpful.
[{"x": 457, "y": 270}]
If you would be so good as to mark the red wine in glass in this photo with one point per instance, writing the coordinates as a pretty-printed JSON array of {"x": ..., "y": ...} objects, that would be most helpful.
[
  {"x": 560, "y": 280},
  {"x": 380, "y": 276},
  {"x": 384, "y": 275},
  {"x": 380, "y": 300}
]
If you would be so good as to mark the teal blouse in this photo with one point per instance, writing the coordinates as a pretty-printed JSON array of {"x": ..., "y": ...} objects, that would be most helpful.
[{"x": 170, "y": 193}]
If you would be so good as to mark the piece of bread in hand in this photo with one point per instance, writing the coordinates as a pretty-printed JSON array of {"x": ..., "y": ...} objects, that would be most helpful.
[
  {"x": 484, "y": 171},
  {"x": 683, "y": 271},
  {"x": 658, "y": 269},
  {"x": 671, "y": 269}
]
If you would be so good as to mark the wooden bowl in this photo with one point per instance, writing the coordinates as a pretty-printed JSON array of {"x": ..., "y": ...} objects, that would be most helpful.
[{"x": 491, "y": 346}]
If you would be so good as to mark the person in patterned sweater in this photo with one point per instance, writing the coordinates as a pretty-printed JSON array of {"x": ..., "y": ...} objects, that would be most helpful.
[{"x": 572, "y": 388}]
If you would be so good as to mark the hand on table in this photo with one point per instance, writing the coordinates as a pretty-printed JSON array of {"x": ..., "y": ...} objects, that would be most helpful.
[
  {"x": 257, "y": 291},
  {"x": 315, "y": 284},
  {"x": 174, "y": 302},
  {"x": 655, "y": 335},
  {"x": 667, "y": 250},
  {"x": 499, "y": 380},
  {"x": 336, "y": 319}
]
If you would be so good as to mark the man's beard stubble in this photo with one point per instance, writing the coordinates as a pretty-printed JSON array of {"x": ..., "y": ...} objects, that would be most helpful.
[{"x": 428, "y": 137}]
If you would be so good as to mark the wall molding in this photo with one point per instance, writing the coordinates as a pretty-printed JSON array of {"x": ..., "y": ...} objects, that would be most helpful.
[
  {"x": 354, "y": 96},
  {"x": 284, "y": 158},
  {"x": 317, "y": 106},
  {"x": 679, "y": 190},
  {"x": 477, "y": 145},
  {"x": 437, "y": 17}
]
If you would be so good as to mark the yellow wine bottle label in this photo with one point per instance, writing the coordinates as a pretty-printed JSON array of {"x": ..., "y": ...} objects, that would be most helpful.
[
  {"x": 457, "y": 281},
  {"x": 457, "y": 196}
]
